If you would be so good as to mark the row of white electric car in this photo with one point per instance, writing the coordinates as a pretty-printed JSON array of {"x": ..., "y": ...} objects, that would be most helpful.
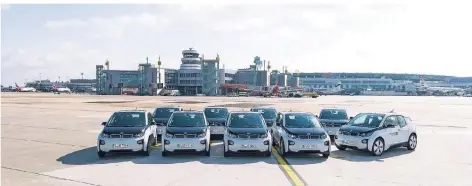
[{"x": 255, "y": 131}]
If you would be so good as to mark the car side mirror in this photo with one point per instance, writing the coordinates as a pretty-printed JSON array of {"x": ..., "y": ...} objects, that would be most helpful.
[
  {"x": 277, "y": 124},
  {"x": 350, "y": 118},
  {"x": 316, "y": 116},
  {"x": 104, "y": 123},
  {"x": 153, "y": 122},
  {"x": 390, "y": 125}
]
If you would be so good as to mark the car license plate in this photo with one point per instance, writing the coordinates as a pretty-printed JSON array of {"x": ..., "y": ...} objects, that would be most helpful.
[
  {"x": 120, "y": 145},
  {"x": 159, "y": 131},
  {"x": 248, "y": 146},
  {"x": 331, "y": 132},
  {"x": 184, "y": 145},
  {"x": 348, "y": 142},
  {"x": 216, "y": 130},
  {"x": 309, "y": 146}
]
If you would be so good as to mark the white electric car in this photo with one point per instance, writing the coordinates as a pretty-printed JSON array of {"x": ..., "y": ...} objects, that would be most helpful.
[
  {"x": 377, "y": 132},
  {"x": 127, "y": 131},
  {"x": 247, "y": 132},
  {"x": 186, "y": 132},
  {"x": 161, "y": 117},
  {"x": 300, "y": 132},
  {"x": 216, "y": 118}
]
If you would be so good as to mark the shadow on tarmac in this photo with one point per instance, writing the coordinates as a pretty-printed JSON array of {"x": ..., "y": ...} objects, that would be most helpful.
[
  {"x": 365, "y": 156},
  {"x": 89, "y": 156}
]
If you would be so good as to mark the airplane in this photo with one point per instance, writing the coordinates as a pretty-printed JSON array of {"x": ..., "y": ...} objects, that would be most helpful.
[
  {"x": 24, "y": 89},
  {"x": 329, "y": 91},
  {"x": 56, "y": 90},
  {"x": 445, "y": 90}
]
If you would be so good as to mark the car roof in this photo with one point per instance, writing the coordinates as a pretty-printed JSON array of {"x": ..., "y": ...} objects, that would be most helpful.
[
  {"x": 189, "y": 111},
  {"x": 243, "y": 112},
  {"x": 333, "y": 109},
  {"x": 292, "y": 112},
  {"x": 133, "y": 111},
  {"x": 384, "y": 113},
  {"x": 210, "y": 107},
  {"x": 263, "y": 107},
  {"x": 169, "y": 107}
]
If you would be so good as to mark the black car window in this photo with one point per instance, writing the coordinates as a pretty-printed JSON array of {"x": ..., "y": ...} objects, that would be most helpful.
[
  {"x": 127, "y": 119},
  {"x": 401, "y": 121},
  {"x": 149, "y": 118},
  {"x": 333, "y": 114},
  {"x": 216, "y": 113},
  {"x": 267, "y": 113},
  {"x": 187, "y": 120},
  {"x": 246, "y": 120},
  {"x": 367, "y": 120},
  {"x": 164, "y": 112},
  {"x": 391, "y": 120},
  {"x": 301, "y": 121}
]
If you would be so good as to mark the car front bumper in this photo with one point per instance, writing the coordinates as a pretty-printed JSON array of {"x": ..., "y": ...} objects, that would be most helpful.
[
  {"x": 120, "y": 144},
  {"x": 308, "y": 145},
  {"x": 195, "y": 144},
  {"x": 235, "y": 145},
  {"x": 353, "y": 142}
]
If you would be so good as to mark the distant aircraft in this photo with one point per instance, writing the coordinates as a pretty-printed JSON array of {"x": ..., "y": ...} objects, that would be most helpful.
[
  {"x": 330, "y": 91},
  {"x": 447, "y": 90}
]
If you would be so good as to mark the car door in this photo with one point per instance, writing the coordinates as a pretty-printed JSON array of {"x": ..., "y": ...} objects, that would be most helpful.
[
  {"x": 404, "y": 131},
  {"x": 392, "y": 133}
]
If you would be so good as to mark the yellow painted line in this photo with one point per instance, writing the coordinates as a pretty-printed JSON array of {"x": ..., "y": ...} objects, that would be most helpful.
[{"x": 287, "y": 169}]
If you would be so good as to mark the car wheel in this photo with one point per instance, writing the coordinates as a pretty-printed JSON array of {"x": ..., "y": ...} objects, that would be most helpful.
[
  {"x": 101, "y": 154},
  {"x": 282, "y": 148},
  {"x": 273, "y": 142},
  {"x": 326, "y": 154},
  {"x": 147, "y": 152},
  {"x": 164, "y": 153},
  {"x": 340, "y": 147},
  {"x": 378, "y": 147},
  {"x": 225, "y": 154},
  {"x": 207, "y": 153},
  {"x": 412, "y": 142}
]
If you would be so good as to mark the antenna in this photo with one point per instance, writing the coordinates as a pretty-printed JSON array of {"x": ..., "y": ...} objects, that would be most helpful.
[
  {"x": 392, "y": 111},
  {"x": 290, "y": 110}
]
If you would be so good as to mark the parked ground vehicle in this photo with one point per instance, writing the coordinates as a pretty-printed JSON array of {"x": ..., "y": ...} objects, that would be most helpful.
[
  {"x": 216, "y": 118},
  {"x": 377, "y": 132},
  {"x": 332, "y": 119},
  {"x": 127, "y": 131},
  {"x": 161, "y": 117},
  {"x": 300, "y": 132},
  {"x": 268, "y": 113},
  {"x": 247, "y": 132},
  {"x": 186, "y": 131}
]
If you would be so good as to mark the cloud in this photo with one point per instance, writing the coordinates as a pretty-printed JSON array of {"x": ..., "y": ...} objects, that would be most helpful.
[
  {"x": 109, "y": 27},
  {"x": 5, "y": 7},
  {"x": 66, "y": 60}
]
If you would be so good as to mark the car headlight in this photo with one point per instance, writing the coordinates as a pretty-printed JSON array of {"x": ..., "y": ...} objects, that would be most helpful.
[
  {"x": 105, "y": 135},
  {"x": 232, "y": 135},
  {"x": 293, "y": 136},
  {"x": 264, "y": 135},
  {"x": 324, "y": 136},
  {"x": 366, "y": 134},
  {"x": 169, "y": 135},
  {"x": 139, "y": 135},
  {"x": 201, "y": 135}
]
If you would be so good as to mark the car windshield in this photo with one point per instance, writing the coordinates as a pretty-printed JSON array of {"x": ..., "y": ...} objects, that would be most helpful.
[
  {"x": 333, "y": 114},
  {"x": 164, "y": 112},
  {"x": 267, "y": 113},
  {"x": 246, "y": 120},
  {"x": 187, "y": 120},
  {"x": 301, "y": 121},
  {"x": 367, "y": 120},
  {"x": 127, "y": 119},
  {"x": 216, "y": 113}
]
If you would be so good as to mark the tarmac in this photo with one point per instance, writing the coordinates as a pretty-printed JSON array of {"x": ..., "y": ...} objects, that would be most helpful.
[{"x": 49, "y": 139}]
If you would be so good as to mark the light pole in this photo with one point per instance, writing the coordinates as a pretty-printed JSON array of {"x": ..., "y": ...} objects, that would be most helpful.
[
  {"x": 159, "y": 69},
  {"x": 82, "y": 75}
]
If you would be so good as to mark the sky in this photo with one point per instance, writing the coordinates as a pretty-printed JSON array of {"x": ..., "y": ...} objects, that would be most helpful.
[{"x": 52, "y": 41}]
